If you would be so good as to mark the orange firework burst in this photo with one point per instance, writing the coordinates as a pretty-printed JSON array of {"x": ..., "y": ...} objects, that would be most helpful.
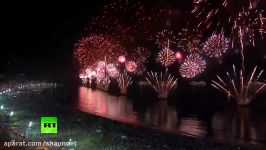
[
  {"x": 131, "y": 66},
  {"x": 166, "y": 56}
]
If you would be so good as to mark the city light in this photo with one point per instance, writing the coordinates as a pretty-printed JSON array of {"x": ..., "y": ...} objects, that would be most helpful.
[
  {"x": 11, "y": 113},
  {"x": 30, "y": 124}
]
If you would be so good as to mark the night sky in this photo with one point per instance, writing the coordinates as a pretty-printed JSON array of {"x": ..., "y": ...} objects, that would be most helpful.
[{"x": 37, "y": 38}]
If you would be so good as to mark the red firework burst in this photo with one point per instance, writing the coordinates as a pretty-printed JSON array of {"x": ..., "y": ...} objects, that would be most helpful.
[
  {"x": 133, "y": 21},
  {"x": 89, "y": 50},
  {"x": 131, "y": 66}
]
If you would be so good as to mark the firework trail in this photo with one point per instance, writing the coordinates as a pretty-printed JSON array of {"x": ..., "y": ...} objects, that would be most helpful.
[
  {"x": 103, "y": 84},
  {"x": 247, "y": 24},
  {"x": 163, "y": 84},
  {"x": 239, "y": 18},
  {"x": 215, "y": 14},
  {"x": 242, "y": 88},
  {"x": 124, "y": 80}
]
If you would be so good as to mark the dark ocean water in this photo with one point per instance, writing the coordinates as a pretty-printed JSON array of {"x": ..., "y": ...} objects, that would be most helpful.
[{"x": 190, "y": 117}]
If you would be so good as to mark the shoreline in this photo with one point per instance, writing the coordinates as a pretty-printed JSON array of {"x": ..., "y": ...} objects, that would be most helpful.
[{"x": 95, "y": 132}]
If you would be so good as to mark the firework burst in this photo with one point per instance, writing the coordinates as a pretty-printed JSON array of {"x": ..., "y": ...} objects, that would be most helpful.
[
  {"x": 216, "y": 45},
  {"x": 189, "y": 40},
  {"x": 215, "y": 14},
  {"x": 166, "y": 57},
  {"x": 163, "y": 84},
  {"x": 91, "y": 49},
  {"x": 165, "y": 38},
  {"x": 157, "y": 18},
  {"x": 140, "y": 56},
  {"x": 133, "y": 21},
  {"x": 101, "y": 71},
  {"x": 238, "y": 17},
  {"x": 104, "y": 70},
  {"x": 192, "y": 66},
  {"x": 112, "y": 71},
  {"x": 113, "y": 19},
  {"x": 242, "y": 88},
  {"x": 124, "y": 80},
  {"x": 246, "y": 26},
  {"x": 131, "y": 66}
]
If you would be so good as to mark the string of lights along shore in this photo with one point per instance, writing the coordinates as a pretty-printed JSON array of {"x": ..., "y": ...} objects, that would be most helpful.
[{"x": 154, "y": 41}]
